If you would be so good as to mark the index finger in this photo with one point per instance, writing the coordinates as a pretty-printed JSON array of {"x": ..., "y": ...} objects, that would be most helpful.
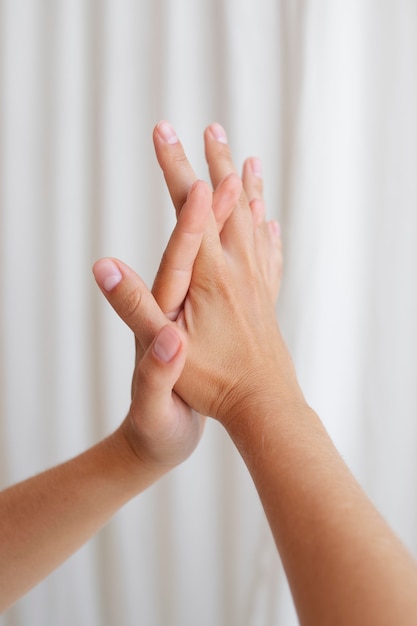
[
  {"x": 175, "y": 271},
  {"x": 178, "y": 173}
]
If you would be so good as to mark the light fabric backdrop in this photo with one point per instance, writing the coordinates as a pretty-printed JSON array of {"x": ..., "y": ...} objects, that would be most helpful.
[{"x": 325, "y": 92}]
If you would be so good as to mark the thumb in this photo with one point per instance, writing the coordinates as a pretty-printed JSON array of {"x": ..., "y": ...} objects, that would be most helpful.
[
  {"x": 155, "y": 411},
  {"x": 162, "y": 363}
]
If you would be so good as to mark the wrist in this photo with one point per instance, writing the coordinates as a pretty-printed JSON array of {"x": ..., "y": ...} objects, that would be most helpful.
[
  {"x": 275, "y": 409},
  {"x": 268, "y": 391},
  {"x": 269, "y": 384},
  {"x": 134, "y": 468},
  {"x": 274, "y": 412}
]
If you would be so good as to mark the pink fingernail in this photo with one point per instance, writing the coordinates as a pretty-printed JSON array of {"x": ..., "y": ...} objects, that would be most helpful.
[
  {"x": 167, "y": 344},
  {"x": 107, "y": 274},
  {"x": 218, "y": 133},
  {"x": 256, "y": 165},
  {"x": 167, "y": 132}
]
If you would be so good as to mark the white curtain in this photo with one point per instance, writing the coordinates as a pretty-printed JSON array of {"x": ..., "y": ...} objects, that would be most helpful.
[{"x": 325, "y": 92}]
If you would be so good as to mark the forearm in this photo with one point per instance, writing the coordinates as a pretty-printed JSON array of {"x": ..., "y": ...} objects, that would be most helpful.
[
  {"x": 344, "y": 564},
  {"x": 44, "y": 519}
]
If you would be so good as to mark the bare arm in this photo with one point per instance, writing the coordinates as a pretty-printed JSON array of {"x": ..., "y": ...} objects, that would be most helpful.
[
  {"x": 44, "y": 519},
  {"x": 344, "y": 564}
]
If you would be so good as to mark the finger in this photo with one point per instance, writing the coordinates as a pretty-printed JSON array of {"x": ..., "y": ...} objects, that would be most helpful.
[
  {"x": 178, "y": 173},
  {"x": 275, "y": 258},
  {"x": 162, "y": 420},
  {"x": 238, "y": 226},
  {"x": 225, "y": 197},
  {"x": 252, "y": 179},
  {"x": 161, "y": 365},
  {"x": 154, "y": 407},
  {"x": 253, "y": 186},
  {"x": 174, "y": 275},
  {"x": 266, "y": 235},
  {"x": 268, "y": 249},
  {"x": 130, "y": 298},
  {"x": 218, "y": 156}
]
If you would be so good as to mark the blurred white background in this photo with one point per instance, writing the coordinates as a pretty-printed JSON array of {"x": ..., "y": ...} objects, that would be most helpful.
[{"x": 325, "y": 92}]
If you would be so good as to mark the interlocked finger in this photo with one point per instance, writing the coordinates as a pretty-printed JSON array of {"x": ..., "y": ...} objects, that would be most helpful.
[
  {"x": 237, "y": 227},
  {"x": 174, "y": 275},
  {"x": 225, "y": 197},
  {"x": 253, "y": 186}
]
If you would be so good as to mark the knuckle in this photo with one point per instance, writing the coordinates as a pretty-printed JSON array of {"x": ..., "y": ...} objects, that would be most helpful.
[
  {"x": 259, "y": 185},
  {"x": 180, "y": 159},
  {"x": 130, "y": 304},
  {"x": 256, "y": 190},
  {"x": 223, "y": 152}
]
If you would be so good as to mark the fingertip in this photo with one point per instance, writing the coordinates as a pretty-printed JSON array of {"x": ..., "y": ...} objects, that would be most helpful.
[
  {"x": 225, "y": 197},
  {"x": 217, "y": 132},
  {"x": 200, "y": 187},
  {"x": 197, "y": 207},
  {"x": 233, "y": 180},
  {"x": 107, "y": 274},
  {"x": 165, "y": 131},
  {"x": 230, "y": 186}
]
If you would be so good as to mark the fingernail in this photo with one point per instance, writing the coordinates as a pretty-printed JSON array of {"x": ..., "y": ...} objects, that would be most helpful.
[
  {"x": 256, "y": 166},
  {"x": 166, "y": 344},
  {"x": 107, "y": 274},
  {"x": 167, "y": 133},
  {"x": 218, "y": 133}
]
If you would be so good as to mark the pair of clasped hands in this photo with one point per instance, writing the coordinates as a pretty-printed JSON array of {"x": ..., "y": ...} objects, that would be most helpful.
[
  {"x": 208, "y": 328},
  {"x": 207, "y": 339},
  {"x": 208, "y": 344}
]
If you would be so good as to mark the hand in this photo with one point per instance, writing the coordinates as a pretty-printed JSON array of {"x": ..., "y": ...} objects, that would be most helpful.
[
  {"x": 236, "y": 350},
  {"x": 180, "y": 176},
  {"x": 239, "y": 371},
  {"x": 228, "y": 312},
  {"x": 160, "y": 428}
]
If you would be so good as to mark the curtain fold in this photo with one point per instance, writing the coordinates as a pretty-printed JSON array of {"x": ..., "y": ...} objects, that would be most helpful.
[{"x": 325, "y": 93}]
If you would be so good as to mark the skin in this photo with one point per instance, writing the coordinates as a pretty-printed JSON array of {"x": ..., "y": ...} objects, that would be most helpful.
[
  {"x": 344, "y": 564},
  {"x": 44, "y": 519}
]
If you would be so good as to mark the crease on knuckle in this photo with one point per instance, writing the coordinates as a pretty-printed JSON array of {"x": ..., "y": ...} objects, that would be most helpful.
[
  {"x": 131, "y": 304},
  {"x": 180, "y": 160},
  {"x": 223, "y": 151},
  {"x": 170, "y": 263}
]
